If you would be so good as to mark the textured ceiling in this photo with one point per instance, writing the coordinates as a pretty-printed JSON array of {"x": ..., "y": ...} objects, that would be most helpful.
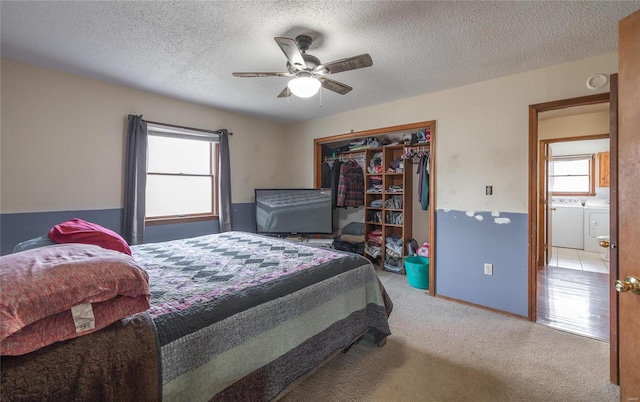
[{"x": 188, "y": 50}]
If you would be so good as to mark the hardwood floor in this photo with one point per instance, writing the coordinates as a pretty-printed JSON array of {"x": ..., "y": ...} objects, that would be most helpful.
[{"x": 574, "y": 301}]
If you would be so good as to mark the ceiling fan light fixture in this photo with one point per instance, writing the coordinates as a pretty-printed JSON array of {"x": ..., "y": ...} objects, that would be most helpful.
[
  {"x": 307, "y": 72},
  {"x": 304, "y": 87}
]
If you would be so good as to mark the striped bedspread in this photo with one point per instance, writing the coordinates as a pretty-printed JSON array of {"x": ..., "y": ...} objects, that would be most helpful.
[{"x": 240, "y": 316}]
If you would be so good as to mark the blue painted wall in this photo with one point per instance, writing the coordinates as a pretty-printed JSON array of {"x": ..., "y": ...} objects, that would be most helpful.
[
  {"x": 172, "y": 231},
  {"x": 243, "y": 216},
  {"x": 15, "y": 228},
  {"x": 464, "y": 243}
]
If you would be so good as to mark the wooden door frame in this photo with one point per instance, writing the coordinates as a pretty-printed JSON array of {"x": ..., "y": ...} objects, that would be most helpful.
[
  {"x": 317, "y": 176},
  {"x": 545, "y": 241},
  {"x": 534, "y": 208}
]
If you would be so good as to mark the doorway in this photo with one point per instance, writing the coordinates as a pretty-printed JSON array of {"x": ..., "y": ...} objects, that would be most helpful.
[
  {"x": 539, "y": 210},
  {"x": 573, "y": 277}
]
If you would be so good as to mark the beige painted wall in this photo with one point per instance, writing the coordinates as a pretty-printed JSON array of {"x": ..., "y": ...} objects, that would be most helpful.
[
  {"x": 482, "y": 132},
  {"x": 574, "y": 126},
  {"x": 63, "y": 139}
]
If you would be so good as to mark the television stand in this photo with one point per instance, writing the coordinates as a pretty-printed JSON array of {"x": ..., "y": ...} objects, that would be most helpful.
[
  {"x": 326, "y": 243},
  {"x": 298, "y": 238}
]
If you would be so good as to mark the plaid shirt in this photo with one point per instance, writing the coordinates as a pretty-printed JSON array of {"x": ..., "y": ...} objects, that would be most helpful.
[{"x": 350, "y": 185}]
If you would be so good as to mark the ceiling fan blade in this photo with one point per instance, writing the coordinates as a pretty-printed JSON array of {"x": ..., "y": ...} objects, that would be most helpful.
[
  {"x": 285, "y": 93},
  {"x": 262, "y": 74},
  {"x": 290, "y": 49},
  {"x": 350, "y": 63},
  {"x": 334, "y": 86}
]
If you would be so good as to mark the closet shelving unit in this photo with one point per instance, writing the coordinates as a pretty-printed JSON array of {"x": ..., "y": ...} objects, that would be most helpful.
[
  {"x": 396, "y": 184},
  {"x": 391, "y": 182}
]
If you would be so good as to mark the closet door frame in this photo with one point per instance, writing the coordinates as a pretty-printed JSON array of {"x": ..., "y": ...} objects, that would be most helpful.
[{"x": 317, "y": 174}]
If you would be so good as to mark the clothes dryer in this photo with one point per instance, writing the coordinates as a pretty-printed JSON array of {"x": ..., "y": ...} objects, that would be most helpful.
[
  {"x": 567, "y": 222},
  {"x": 596, "y": 223}
]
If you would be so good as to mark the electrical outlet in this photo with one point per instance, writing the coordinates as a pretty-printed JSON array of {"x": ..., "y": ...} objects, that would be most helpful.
[{"x": 488, "y": 269}]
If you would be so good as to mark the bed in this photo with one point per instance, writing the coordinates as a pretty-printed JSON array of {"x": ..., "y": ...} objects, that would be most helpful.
[{"x": 233, "y": 316}]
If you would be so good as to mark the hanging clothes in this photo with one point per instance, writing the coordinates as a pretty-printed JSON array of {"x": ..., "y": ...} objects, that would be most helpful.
[
  {"x": 423, "y": 181},
  {"x": 325, "y": 181},
  {"x": 335, "y": 179},
  {"x": 351, "y": 185}
]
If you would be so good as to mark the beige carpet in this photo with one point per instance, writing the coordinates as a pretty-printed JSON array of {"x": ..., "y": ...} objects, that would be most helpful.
[{"x": 445, "y": 351}]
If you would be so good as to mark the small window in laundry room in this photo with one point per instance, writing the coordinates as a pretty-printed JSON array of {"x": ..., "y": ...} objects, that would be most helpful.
[{"x": 573, "y": 175}]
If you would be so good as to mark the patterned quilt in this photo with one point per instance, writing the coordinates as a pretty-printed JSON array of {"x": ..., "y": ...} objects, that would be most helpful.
[{"x": 234, "y": 312}]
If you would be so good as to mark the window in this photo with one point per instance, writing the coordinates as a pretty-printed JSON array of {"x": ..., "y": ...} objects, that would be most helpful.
[
  {"x": 181, "y": 177},
  {"x": 573, "y": 175}
]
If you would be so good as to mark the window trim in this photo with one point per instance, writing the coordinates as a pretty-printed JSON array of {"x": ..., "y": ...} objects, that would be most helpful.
[
  {"x": 163, "y": 220},
  {"x": 214, "y": 157},
  {"x": 592, "y": 175}
]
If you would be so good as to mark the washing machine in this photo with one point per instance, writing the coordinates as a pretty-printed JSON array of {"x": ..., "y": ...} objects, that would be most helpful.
[
  {"x": 567, "y": 222},
  {"x": 596, "y": 223}
]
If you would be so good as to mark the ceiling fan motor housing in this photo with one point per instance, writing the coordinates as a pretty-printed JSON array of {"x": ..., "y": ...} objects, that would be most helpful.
[
  {"x": 303, "y": 42},
  {"x": 311, "y": 61}
]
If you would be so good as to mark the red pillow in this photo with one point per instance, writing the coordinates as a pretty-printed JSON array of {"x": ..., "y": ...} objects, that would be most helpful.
[{"x": 79, "y": 231}]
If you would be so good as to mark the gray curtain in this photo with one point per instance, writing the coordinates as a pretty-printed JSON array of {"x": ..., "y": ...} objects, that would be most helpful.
[
  {"x": 224, "y": 172},
  {"x": 135, "y": 180}
]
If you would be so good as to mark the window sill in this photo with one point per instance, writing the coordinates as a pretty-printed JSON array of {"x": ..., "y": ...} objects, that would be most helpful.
[{"x": 166, "y": 220}]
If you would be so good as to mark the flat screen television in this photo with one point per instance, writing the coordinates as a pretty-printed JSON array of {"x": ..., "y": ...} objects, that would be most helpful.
[{"x": 294, "y": 211}]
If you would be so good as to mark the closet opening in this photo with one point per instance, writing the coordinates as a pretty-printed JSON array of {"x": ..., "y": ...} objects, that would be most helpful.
[{"x": 392, "y": 159}]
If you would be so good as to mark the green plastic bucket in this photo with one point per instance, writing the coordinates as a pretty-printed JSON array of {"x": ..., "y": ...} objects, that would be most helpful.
[{"x": 417, "y": 268}]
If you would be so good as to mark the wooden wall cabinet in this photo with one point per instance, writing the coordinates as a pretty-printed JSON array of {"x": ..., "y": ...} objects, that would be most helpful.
[{"x": 603, "y": 169}]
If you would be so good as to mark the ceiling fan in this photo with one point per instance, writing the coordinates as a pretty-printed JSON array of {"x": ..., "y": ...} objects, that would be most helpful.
[{"x": 309, "y": 74}]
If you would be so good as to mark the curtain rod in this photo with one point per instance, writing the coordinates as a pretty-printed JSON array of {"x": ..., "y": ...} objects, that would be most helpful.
[{"x": 185, "y": 127}]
